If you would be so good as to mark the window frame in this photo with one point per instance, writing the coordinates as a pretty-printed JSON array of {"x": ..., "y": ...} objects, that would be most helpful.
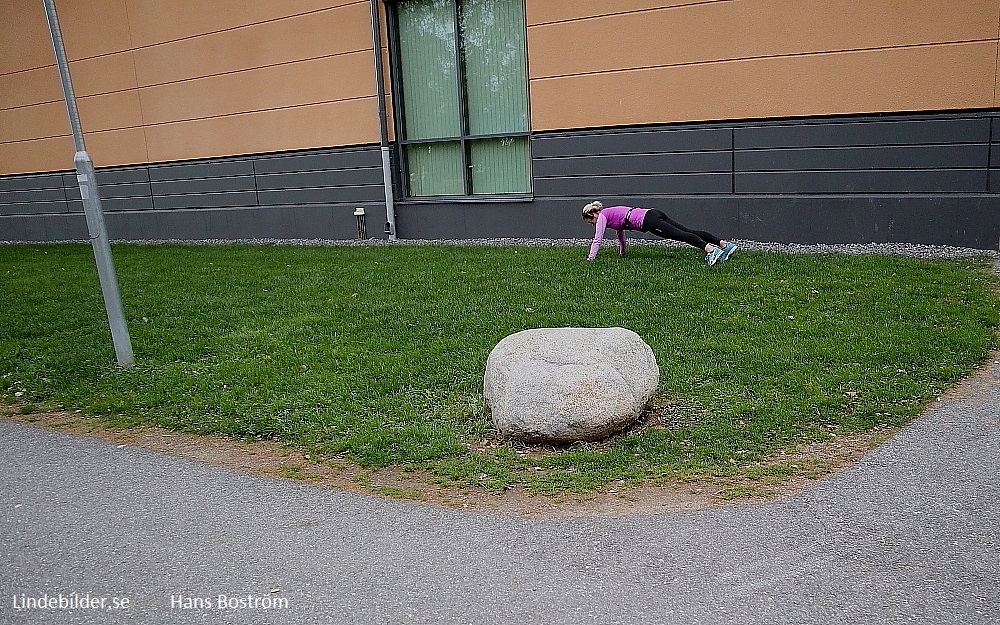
[{"x": 399, "y": 119}]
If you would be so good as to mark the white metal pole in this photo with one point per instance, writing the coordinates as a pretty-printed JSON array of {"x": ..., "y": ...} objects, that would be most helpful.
[
  {"x": 91, "y": 202},
  {"x": 390, "y": 210}
]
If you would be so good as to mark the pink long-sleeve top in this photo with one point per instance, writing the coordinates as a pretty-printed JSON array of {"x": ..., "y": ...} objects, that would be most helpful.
[{"x": 614, "y": 217}]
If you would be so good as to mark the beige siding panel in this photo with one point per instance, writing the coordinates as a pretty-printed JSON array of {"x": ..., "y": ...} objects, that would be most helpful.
[
  {"x": 93, "y": 27},
  {"x": 738, "y": 30},
  {"x": 545, "y": 11},
  {"x": 103, "y": 74},
  {"x": 34, "y": 122},
  {"x": 116, "y": 147},
  {"x": 110, "y": 111},
  {"x": 905, "y": 79},
  {"x": 24, "y": 36},
  {"x": 315, "y": 35},
  {"x": 34, "y": 86},
  {"x": 307, "y": 82},
  {"x": 41, "y": 155},
  {"x": 333, "y": 124},
  {"x": 157, "y": 21},
  {"x": 97, "y": 113}
]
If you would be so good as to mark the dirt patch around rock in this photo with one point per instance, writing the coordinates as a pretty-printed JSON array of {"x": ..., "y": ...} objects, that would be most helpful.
[{"x": 808, "y": 463}]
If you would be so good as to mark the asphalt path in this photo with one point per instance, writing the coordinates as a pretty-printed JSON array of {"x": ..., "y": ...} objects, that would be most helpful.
[{"x": 908, "y": 535}]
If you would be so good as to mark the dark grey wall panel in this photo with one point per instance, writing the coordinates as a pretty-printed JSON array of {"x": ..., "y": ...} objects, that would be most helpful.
[
  {"x": 115, "y": 204},
  {"x": 320, "y": 196},
  {"x": 122, "y": 175},
  {"x": 672, "y": 162},
  {"x": 631, "y": 142},
  {"x": 346, "y": 159},
  {"x": 204, "y": 185},
  {"x": 634, "y": 185},
  {"x": 204, "y": 169},
  {"x": 62, "y": 227},
  {"x": 968, "y": 155},
  {"x": 924, "y": 178},
  {"x": 275, "y": 222},
  {"x": 879, "y": 181},
  {"x": 124, "y": 190},
  {"x": 205, "y": 200},
  {"x": 870, "y": 132},
  {"x": 36, "y": 195},
  {"x": 31, "y": 181},
  {"x": 319, "y": 179},
  {"x": 33, "y": 208}
]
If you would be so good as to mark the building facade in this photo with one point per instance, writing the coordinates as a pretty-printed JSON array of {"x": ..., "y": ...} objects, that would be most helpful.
[{"x": 772, "y": 120}]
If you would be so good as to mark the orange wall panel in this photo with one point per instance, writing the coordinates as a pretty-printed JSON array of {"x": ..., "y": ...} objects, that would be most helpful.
[
  {"x": 117, "y": 147},
  {"x": 738, "y": 30},
  {"x": 319, "y": 125},
  {"x": 110, "y": 111},
  {"x": 305, "y": 82},
  {"x": 102, "y": 74},
  {"x": 34, "y": 122},
  {"x": 39, "y": 155},
  {"x": 899, "y": 79},
  {"x": 544, "y": 11},
  {"x": 93, "y": 27},
  {"x": 157, "y": 21},
  {"x": 324, "y": 33},
  {"x": 33, "y": 86},
  {"x": 25, "y": 36},
  {"x": 181, "y": 79}
]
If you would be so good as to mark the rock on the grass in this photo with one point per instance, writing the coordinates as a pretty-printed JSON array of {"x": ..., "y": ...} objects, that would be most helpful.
[{"x": 569, "y": 384}]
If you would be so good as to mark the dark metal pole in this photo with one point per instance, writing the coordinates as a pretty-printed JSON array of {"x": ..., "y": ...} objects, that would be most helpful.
[
  {"x": 390, "y": 210},
  {"x": 87, "y": 179}
]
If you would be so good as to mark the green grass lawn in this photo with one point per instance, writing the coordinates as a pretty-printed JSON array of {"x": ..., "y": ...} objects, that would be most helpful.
[{"x": 376, "y": 354}]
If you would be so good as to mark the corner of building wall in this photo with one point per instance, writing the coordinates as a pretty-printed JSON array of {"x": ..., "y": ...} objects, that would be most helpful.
[{"x": 996, "y": 66}]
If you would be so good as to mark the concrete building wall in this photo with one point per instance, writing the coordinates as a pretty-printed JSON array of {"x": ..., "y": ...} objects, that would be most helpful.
[
  {"x": 166, "y": 80},
  {"x": 836, "y": 120},
  {"x": 599, "y": 63}
]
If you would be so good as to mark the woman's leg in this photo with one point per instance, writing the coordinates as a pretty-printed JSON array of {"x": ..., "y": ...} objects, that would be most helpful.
[{"x": 659, "y": 224}]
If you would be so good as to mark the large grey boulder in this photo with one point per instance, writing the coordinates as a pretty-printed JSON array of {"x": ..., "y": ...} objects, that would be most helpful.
[{"x": 569, "y": 384}]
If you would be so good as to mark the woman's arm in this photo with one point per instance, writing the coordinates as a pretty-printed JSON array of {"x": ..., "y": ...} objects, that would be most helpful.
[
  {"x": 602, "y": 223},
  {"x": 622, "y": 246}
]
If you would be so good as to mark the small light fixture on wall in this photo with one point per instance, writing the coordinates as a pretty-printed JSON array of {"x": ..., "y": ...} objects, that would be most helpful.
[{"x": 359, "y": 213}]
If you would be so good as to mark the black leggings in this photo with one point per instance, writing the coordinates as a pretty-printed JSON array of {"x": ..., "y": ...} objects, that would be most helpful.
[{"x": 662, "y": 226}]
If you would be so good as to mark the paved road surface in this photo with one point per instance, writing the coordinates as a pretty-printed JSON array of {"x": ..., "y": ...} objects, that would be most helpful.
[{"x": 910, "y": 535}]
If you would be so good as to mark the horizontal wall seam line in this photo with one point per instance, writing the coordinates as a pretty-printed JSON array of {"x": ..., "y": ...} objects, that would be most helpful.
[
  {"x": 559, "y": 157},
  {"x": 650, "y": 10},
  {"x": 24, "y": 106},
  {"x": 860, "y": 146},
  {"x": 252, "y": 112},
  {"x": 762, "y": 57},
  {"x": 182, "y": 80},
  {"x": 240, "y": 71},
  {"x": 714, "y": 172},
  {"x": 169, "y": 41},
  {"x": 16, "y": 141},
  {"x": 887, "y": 117},
  {"x": 85, "y": 132}
]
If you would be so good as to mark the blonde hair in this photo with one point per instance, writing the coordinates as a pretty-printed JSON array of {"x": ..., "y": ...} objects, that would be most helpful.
[{"x": 590, "y": 209}]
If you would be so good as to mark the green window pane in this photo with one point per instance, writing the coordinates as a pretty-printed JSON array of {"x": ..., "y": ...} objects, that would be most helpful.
[
  {"x": 428, "y": 68},
  {"x": 435, "y": 168},
  {"x": 500, "y": 165},
  {"x": 493, "y": 49}
]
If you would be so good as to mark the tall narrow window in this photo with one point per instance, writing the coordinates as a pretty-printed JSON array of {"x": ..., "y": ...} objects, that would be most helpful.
[{"x": 461, "y": 80}]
